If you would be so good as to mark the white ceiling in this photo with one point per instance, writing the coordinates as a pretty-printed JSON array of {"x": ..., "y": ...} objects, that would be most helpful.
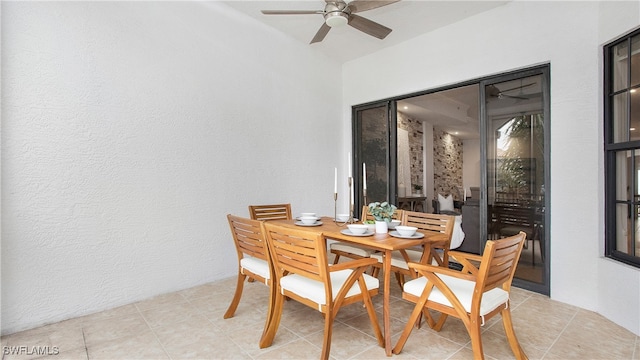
[
  {"x": 407, "y": 18},
  {"x": 454, "y": 111}
]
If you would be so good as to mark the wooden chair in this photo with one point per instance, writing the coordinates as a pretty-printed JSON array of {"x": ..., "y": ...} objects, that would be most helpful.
[
  {"x": 353, "y": 251},
  {"x": 434, "y": 252},
  {"x": 301, "y": 273},
  {"x": 270, "y": 212},
  {"x": 512, "y": 218},
  {"x": 474, "y": 294},
  {"x": 253, "y": 261}
]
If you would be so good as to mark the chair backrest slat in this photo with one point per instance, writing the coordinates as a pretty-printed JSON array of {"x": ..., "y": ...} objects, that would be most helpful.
[
  {"x": 430, "y": 223},
  {"x": 248, "y": 237},
  {"x": 297, "y": 251},
  {"x": 270, "y": 212},
  {"x": 499, "y": 262}
]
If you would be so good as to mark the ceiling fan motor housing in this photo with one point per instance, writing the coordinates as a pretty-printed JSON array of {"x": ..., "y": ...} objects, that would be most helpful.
[{"x": 335, "y": 14}]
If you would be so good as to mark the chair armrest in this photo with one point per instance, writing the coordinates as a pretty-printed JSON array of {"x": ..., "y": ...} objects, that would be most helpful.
[
  {"x": 353, "y": 264},
  {"x": 420, "y": 268},
  {"x": 464, "y": 255},
  {"x": 470, "y": 262}
]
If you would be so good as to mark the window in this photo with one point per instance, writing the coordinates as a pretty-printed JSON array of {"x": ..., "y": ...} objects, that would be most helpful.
[{"x": 622, "y": 148}]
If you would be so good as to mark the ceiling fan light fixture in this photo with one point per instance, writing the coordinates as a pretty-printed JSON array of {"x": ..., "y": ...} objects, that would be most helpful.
[{"x": 336, "y": 19}]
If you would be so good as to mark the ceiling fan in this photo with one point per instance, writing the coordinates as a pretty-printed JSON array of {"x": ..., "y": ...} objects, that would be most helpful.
[
  {"x": 494, "y": 92},
  {"x": 340, "y": 13}
]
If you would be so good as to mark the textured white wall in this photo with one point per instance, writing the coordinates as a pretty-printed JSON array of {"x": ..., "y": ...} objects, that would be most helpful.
[
  {"x": 569, "y": 36},
  {"x": 130, "y": 130}
]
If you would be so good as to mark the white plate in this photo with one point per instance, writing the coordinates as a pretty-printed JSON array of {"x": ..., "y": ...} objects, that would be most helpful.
[
  {"x": 417, "y": 235},
  {"x": 300, "y": 223},
  {"x": 348, "y": 232}
]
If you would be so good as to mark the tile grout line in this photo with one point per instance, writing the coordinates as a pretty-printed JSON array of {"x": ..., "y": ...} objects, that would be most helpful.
[
  {"x": 559, "y": 335},
  {"x": 84, "y": 342},
  {"x": 201, "y": 312},
  {"x": 152, "y": 331}
]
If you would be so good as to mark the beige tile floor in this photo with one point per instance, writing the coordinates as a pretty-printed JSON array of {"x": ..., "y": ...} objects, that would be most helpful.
[{"x": 188, "y": 324}]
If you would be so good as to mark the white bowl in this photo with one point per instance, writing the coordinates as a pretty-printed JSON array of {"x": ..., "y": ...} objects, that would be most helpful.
[
  {"x": 308, "y": 214},
  {"x": 357, "y": 228},
  {"x": 342, "y": 217},
  {"x": 308, "y": 220},
  {"x": 406, "y": 230},
  {"x": 392, "y": 225}
]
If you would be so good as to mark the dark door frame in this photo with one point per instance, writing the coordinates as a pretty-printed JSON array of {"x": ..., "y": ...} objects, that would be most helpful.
[{"x": 391, "y": 156}]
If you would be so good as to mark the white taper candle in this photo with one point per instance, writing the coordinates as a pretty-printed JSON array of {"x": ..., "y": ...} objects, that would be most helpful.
[{"x": 364, "y": 176}]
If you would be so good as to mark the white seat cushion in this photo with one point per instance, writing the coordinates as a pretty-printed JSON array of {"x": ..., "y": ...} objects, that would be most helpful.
[
  {"x": 351, "y": 249},
  {"x": 458, "y": 235},
  {"x": 314, "y": 290},
  {"x": 256, "y": 266},
  {"x": 463, "y": 289}
]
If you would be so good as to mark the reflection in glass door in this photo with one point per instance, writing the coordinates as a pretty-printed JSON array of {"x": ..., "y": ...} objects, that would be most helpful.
[
  {"x": 373, "y": 139},
  {"x": 516, "y": 168}
]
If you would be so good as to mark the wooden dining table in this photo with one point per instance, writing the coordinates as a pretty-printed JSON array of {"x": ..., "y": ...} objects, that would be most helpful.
[{"x": 381, "y": 242}]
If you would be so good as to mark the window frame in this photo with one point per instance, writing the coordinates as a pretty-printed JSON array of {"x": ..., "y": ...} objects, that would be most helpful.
[{"x": 612, "y": 148}]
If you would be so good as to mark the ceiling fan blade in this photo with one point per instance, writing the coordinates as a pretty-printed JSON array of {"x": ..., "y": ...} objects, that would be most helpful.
[
  {"x": 368, "y": 26},
  {"x": 290, "y": 12},
  {"x": 322, "y": 32},
  {"x": 514, "y": 97},
  {"x": 364, "y": 5},
  {"x": 519, "y": 87}
]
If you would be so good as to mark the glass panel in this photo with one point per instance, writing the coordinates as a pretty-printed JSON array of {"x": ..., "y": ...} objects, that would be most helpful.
[
  {"x": 619, "y": 72},
  {"x": 635, "y": 61},
  {"x": 515, "y": 169},
  {"x": 634, "y": 119},
  {"x": 374, "y": 148},
  {"x": 626, "y": 220},
  {"x": 633, "y": 177},
  {"x": 623, "y": 223},
  {"x": 622, "y": 164},
  {"x": 619, "y": 121}
]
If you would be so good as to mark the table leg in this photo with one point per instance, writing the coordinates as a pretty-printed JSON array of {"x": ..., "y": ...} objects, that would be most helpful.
[{"x": 386, "y": 315}]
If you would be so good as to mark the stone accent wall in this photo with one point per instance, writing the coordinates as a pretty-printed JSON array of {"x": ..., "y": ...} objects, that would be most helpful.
[
  {"x": 447, "y": 164},
  {"x": 414, "y": 127}
]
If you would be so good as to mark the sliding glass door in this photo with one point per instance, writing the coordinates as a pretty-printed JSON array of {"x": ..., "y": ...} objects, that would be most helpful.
[
  {"x": 516, "y": 117},
  {"x": 485, "y": 143}
]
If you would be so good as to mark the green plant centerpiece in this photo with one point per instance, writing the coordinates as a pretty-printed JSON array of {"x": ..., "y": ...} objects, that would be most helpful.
[{"x": 382, "y": 211}]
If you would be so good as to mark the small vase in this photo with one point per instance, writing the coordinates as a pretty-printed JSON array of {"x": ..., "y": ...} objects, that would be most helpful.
[{"x": 382, "y": 227}]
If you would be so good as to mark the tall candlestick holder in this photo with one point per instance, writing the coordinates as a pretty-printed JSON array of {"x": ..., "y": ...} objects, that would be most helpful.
[{"x": 364, "y": 196}]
